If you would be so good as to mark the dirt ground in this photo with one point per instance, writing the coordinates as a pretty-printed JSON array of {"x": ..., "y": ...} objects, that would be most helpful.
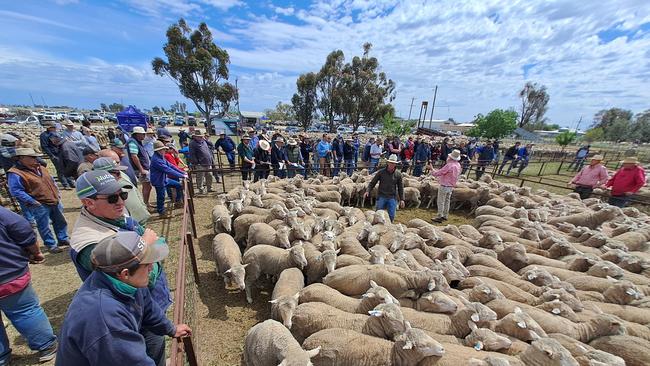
[{"x": 222, "y": 317}]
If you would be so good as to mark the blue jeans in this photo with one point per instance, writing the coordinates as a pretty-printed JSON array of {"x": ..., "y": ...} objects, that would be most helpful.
[
  {"x": 155, "y": 347},
  {"x": 173, "y": 184},
  {"x": 292, "y": 170},
  {"x": 230, "y": 155},
  {"x": 337, "y": 166},
  {"x": 349, "y": 166},
  {"x": 27, "y": 214},
  {"x": 160, "y": 194},
  {"x": 619, "y": 201},
  {"x": 417, "y": 169},
  {"x": 27, "y": 316},
  {"x": 388, "y": 204},
  {"x": 373, "y": 164},
  {"x": 43, "y": 214}
]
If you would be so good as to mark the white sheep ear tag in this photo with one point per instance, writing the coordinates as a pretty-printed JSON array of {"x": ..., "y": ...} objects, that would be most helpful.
[
  {"x": 556, "y": 311},
  {"x": 478, "y": 346},
  {"x": 376, "y": 313},
  {"x": 521, "y": 325},
  {"x": 475, "y": 317},
  {"x": 408, "y": 345},
  {"x": 630, "y": 291}
]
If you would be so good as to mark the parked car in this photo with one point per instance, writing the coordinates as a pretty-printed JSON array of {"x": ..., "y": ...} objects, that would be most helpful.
[
  {"x": 164, "y": 119},
  {"x": 95, "y": 117},
  {"x": 293, "y": 129},
  {"x": 61, "y": 115},
  {"x": 111, "y": 117},
  {"x": 49, "y": 116},
  {"x": 179, "y": 121},
  {"x": 76, "y": 117},
  {"x": 19, "y": 120},
  {"x": 361, "y": 129},
  {"x": 191, "y": 121}
]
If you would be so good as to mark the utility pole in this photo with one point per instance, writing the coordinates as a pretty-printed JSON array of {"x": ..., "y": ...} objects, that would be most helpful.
[
  {"x": 410, "y": 109},
  {"x": 433, "y": 106},
  {"x": 43, "y": 100},
  {"x": 578, "y": 125},
  {"x": 32, "y": 98}
]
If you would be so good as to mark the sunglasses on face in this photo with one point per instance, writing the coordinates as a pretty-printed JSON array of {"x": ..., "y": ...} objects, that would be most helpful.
[{"x": 113, "y": 198}]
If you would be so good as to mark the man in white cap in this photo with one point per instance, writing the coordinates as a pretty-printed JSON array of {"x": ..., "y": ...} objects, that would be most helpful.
[
  {"x": 36, "y": 190},
  {"x": 262, "y": 155},
  {"x": 391, "y": 188},
  {"x": 140, "y": 160},
  {"x": 626, "y": 182},
  {"x": 447, "y": 178},
  {"x": 113, "y": 307},
  {"x": 71, "y": 135},
  {"x": 161, "y": 169},
  {"x": 592, "y": 176}
]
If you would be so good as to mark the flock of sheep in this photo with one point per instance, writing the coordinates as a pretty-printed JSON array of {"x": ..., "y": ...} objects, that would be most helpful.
[{"x": 539, "y": 279}]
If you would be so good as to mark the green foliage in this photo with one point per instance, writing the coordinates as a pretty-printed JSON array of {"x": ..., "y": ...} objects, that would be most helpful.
[
  {"x": 115, "y": 107},
  {"x": 641, "y": 127},
  {"x": 328, "y": 82},
  {"x": 534, "y": 102},
  {"x": 395, "y": 127},
  {"x": 104, "y": 107},
  {"x": 282, "y": 112},
  {"x": 497, "y": 124},
  {"x": 365, "y": 93},
  {"x": 565, "y": 138},
  {"x": 618, "y": 130},
  {"x": 305, "y": 100},
  {"x": 156, "y": 110},
  {"x": 606, "y": 117},
  {"x": 594, "y": 134},
  {"x": 198, "y": 67}
]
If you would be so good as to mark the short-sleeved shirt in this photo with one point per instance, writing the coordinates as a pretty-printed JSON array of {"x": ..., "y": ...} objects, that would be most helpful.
[
  {"x": 133, "y": 147},
  {"x": 16, "y": 234}
]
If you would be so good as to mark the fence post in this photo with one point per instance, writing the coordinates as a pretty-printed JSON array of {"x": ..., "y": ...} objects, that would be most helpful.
[
  {"x": 521, "y": 184},
  {"x": 560, "y": 167},
  {"x": 541, "y": 169},
  {"x": 190, "y": 246},
  {"x": 189, "y": 351}
]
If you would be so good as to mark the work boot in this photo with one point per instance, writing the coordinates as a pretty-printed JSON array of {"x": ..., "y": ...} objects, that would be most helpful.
[{"x": 49, "y": 353}]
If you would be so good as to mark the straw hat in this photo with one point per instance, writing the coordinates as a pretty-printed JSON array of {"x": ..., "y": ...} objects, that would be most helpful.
[
  {"x": 292, "y": 142},
  {"x": 265, "y": 145},
  {"x": 159, "y": 145},
  {"x": 597, "y": 157},
  {"x": 27, "y": 151},
  {"x": 67, "y": 122},
  {"x": 630, "y": 160},
  {"x": 137, "y": 129},
  {"x": 150, "y": 131},
  {"x": 455, "y": 154},
  {"x": 392, "y": 159},
  {"x": 198, "y": 133}
]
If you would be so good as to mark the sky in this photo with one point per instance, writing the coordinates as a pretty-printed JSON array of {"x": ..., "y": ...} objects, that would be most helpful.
[{"x": 591, "y": 55}]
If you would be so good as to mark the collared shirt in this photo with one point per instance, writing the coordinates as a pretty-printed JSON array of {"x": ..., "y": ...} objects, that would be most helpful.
[
  {"x": 323, "y": 148},
  {"x": 375, "y": 151},
  {"x": 627, "y": 181},
  {"x": 74, "y": 136},
  {"x": 591, "y": 176},
  {"x": 390, "y": 184},
  {"x": 448, "y": 174}
]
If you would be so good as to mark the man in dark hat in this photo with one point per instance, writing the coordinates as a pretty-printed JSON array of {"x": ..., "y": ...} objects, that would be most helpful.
[
  {"x": 201, "y": 158},
  {"x": 90, "y": 155},
  {"x": 50, "y": 145},
  {"x": 228, "y": 146},
  {"x": 279, "y": 157}
]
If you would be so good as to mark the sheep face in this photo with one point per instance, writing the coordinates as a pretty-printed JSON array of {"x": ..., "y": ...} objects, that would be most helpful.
[
  {"x": 282, "y": 237},
  {"x": 538, "y": 276},
  {"x": 581, "y": 263},
  {"x": 557, "y": 307},
  {"x": 561, "y": 249},
  {"x": 380, "y": 217},
  {"x": 319, "y": 224},
  {"x": 551, "y": 294},
  {"x": 490, "y": 239},
  {"x": 279, "y": 212},
  {"x": 301, "y": 232},
  {"x": 521, "y": 326},
  {"x": 485, "y": 339},
  {"x": 380, "y": 294},
  {"x": 437, "y": 281},
  {"x": 397, "y": 244},
  {"x": 378, "y": 254},
  {"x": 297, "y": 254},
  {"x": 547, "y": 351},
  {"x": 605, "y": 269},
  {"x": 236, "y": 207},
  {"x": 477, "y": 312},
  {"x": 416, "y": 342},
  {"x": 514, "y": 256},
  {"x": 437, "y": 302},
  {"x": 622, "y": 292},
  {"x": 373, "y": 237},
  {"x": 329, "y": 259},
  {"x": 390, "y": 316},
  {"x": 285, "y": 307},
  {"x": 484, "y": 293},
  {"x": 237, "y": 274},
  {"x": 365, "y": 230}
]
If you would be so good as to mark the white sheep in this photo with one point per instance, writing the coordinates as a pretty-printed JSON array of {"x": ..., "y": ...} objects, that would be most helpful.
[
  {"x": 228, "y": 261},
  {"x": 263, "y": 233},
  {"x": 375, "y": 295},
  {"x": 270, "y": 344},
  {"x": 286, "y": 294},
  {"x": 221, "y": 219}
]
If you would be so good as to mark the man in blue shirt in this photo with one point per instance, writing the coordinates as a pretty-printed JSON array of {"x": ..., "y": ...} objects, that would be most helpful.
[
  {"x": 337, "y": 153},
  {"x": 18, "y": 300},
  {"x": 228, "y": 146},
  {"x": 105, "y": 321},
  {"x": 74, "y": 136},
  {"x": 421, "y": 157},
  {"x": 523, "y": 155},
  {"x": 324, "y": 151},
  {"x": 357, "y": 145},
  {"x": 579, "y": 160},
  {"x": 161, "y": 169}
]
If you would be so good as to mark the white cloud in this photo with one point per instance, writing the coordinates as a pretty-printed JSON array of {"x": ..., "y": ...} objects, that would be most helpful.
[
  {"x": 30, "y": 18},
  {"x": 165, "y": 8},
  {"x": 285, "y": 11}
]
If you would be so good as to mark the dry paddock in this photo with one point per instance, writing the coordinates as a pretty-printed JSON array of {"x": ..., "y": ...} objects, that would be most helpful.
[{"x": 222, "y": 317}]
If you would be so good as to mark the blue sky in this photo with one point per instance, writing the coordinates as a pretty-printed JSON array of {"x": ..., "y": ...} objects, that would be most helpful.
[{"x": 590, "y": 55}]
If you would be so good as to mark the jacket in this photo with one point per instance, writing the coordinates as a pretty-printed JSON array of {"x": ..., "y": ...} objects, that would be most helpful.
[
  {"x": 511, "y": 152},
  {"x": 323, "y": 148},
  {"x": 141, "y": 153},
  {"x": 261, "y": 156},
  {"x": 348, "y": 151},
  {"x": 200, "y": 153},
  {"x": 305, "y": 150},
  {"x": 47, "y": 146},
  {"x": 293, "y": 155},
  {"x": 226, "y": 144},
  {"x": 160, "y": 168},
  {"x": 390, "y": 184},
  {"x": 278, "y": 155},
  {"x": 103, "y": 326},
  {"x": 337, "y": 147},
  {"x": 422, "y": 153},
  {"x": 32, "y": 187},
  {"x": 626, "y": 181}
]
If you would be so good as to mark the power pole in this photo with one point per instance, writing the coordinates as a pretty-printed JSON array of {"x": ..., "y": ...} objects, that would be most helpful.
[
  {"x": 433, "y": 106},
  {"x": 32, "y": 98},
  {"x": 578, "y": 125},
  {"x": 410, "y": 109},
  {"x": 43, "y": 100}
]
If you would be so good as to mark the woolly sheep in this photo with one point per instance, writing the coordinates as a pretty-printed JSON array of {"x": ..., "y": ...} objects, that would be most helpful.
[
  {"x": 633, "y": 350},
  {"x": 285, "y": 295},
  {"x": 228, "y": 261},
  {"x": 262, "y": 233},
  {"x": 270, "y": 344},
  {"x": 547, "y": 352},
  {"x": 318, "y": 263},
  {"x": 485, "y": 339},
  {"x": 221, "y": 219},
  {"x": 375, "y": 295}
]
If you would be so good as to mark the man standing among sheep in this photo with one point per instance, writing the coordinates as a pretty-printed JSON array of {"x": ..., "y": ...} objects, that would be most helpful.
[
  {"x": 447, "y": 177},
  {"x": 391, "y": 187},
  {"x": 626, "y": 182},
  {"x": 592, "y": 176}
]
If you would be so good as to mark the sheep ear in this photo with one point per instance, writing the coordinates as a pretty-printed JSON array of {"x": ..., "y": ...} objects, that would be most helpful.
[
  {"x": 283, "y": 363},
  {"x": 245, "y": 265},
  {"x": 521, "y": 324},
  {"x": 556, "y": 311},
  {"x": 472, "y": 326},
  {"x": 431, "y": 285},
  {"x": 296, "y": 296},
  {"x": 337, "y": 251},
  {"x": 231, "y": 216},
  {"x": 228, "y": 270},
  {"x": 407, "y": 325},
  {"x": 314, "y": 352},
  {"x": 273, "y": 301},
  {"x": 368, "y": 295},
  {"x": 373, "y": 284}
]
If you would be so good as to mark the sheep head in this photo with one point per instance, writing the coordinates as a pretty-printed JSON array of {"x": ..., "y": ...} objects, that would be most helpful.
[
  {"x": 520, "y": 325},
  {"x": 547, "y": 351},
  {"x": 378, "y": 254},
  {"x": 474, "y": 311},
  {"x": 301, "y": 231},
  {"x": 490, "y": 239},
  {"x": 622, "y": 292},
  {"x": 285, "y": 306},
  {"x": 319, "y": 224},
  {"x": 485, "y": 339},
  {"x": 552, "y": 294},
  {"x": 538, "y": 276},
  {"x": 561, "y": 249},
  {"x": 437, "y": 281},
  {"x": 381, "y": 217},
  {"x": 513, "y": 256},
  {"x": 581, "y": 263},
  {"x": 557, "y": 307},
  {"x": 282, "y": 236},
  {"x": 391, "y": 318},
  {"x": 398, "y": 243},
  {"x": 379, "y": 294},
  {"x": 484, "y": 293},
  {"x": 437, "y": 302},
  {"x": 606, "y": 325},
  {"x": 329, "y": 259},
  {"x": 365, "y": 230},
  {"x": 605, "y": 269},
  {"x": 297, "y": 254},
  {"x": 236, "y": 207},
  {"x": 414, "y": 344},
  {"x": 237, "y": 274},
  {"x": 429, "y": 233}
]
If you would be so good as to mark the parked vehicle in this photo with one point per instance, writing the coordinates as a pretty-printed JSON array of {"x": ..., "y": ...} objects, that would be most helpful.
[
  {"x": 18, "y": 120},
  {"x": 191, "y": 121},
  {"x": 111, "y": 117},
  {"x": 95, "y": 117},
  {"x": 179, "y": 121},
  {"x": 293, "y": 129},
  {"x": 76, "y": 117},
  {"x": 49, "y": 116},
  {"x": 164, "y": 119},
  {"x": 61, "y": 115}
]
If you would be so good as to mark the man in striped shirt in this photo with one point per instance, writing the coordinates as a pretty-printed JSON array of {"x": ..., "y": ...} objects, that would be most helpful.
[{"x": 592, "y": 176}]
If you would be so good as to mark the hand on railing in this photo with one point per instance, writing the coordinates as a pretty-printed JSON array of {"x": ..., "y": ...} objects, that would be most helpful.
[{"x": 182, "y": 330}]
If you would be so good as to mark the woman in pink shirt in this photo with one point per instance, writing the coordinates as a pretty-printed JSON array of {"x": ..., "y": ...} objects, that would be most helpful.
[
  {"x": 447, "y": 178},
  {"x": 626, "y": 182},
  {"x": 592, "y": 176}
]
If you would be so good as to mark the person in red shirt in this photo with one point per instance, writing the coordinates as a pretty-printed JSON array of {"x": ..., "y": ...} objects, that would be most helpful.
[
  {"x": 171, "y": 155},
  {"x": 625, "y": 182},
  {"x": 407, "y": 154}
]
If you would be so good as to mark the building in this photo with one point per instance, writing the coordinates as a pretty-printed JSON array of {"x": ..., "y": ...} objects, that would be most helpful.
[{"x": 251, "y": 118}]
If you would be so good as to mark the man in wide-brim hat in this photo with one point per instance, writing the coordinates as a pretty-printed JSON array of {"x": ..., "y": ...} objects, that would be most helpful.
[
  {"x": 447, "y": 178},
  {"x": 201, "y": 158},
  {"x": 165, "y": 176},
  {"x": 279, "y": 157},
  {"x": 262, "y": 155},
  {"x": 592, "y": 176},
  {"x": 626, "y": 182},
  {"x": 35, "y": 189},
  {"x": 391, "y": 188}
]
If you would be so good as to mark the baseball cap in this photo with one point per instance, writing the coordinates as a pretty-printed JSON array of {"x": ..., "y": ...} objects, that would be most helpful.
[
  {"x": 98, "y": 182},
  {"x": 117, "y": 143},
  {"x": 107, "y": 164},
  {"x": 125, "y": 249},
  {"x": 89, "y": 151}
]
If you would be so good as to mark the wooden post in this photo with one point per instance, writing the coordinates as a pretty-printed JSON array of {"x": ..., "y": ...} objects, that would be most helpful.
[
  {"x": 190, "y": 246},
  {"x": 189, "y": 351}
]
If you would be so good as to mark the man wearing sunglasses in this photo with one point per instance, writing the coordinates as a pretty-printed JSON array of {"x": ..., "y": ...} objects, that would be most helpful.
[{"x": 103, "y": 214}]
